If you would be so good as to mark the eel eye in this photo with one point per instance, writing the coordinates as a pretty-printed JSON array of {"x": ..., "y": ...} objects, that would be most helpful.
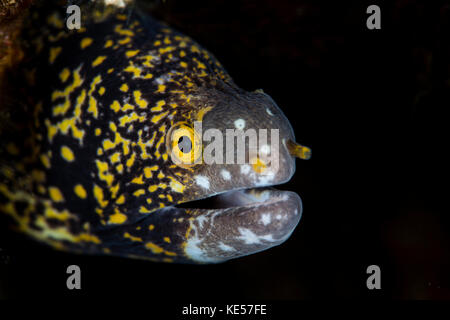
[{"x": 184, "y": 144}]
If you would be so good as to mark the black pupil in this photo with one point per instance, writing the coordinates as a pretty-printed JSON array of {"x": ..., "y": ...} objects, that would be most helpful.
[{"x": 184, "y": 144}]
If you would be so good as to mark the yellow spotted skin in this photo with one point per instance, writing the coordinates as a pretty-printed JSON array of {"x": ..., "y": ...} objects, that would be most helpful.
[{"x": 91, "y": 155}]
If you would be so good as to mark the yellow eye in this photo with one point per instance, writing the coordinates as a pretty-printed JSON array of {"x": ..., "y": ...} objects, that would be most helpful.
[{"x": 185, "y": 145}]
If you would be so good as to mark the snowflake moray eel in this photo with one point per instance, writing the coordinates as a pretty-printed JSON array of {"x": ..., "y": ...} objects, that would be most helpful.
[{"x": 85, "y": 158}]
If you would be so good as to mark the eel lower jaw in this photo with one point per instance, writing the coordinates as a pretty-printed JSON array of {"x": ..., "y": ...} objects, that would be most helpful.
[{"x": 240, "y": 222}]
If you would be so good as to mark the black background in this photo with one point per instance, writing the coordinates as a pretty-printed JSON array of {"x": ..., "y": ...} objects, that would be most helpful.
[{"x": 370, "y": 104}]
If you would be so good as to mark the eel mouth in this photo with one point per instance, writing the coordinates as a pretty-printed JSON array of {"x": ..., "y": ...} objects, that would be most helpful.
[
  {"x": 241, "y": 222},
  {"x": 245, "y": 198}
]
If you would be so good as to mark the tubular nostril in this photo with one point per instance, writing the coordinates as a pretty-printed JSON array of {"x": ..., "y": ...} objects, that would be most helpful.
[{"x": 298, "y": 150}]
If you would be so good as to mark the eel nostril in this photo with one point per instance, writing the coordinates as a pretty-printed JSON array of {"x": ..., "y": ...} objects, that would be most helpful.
[{"x": 298, "y": 150}]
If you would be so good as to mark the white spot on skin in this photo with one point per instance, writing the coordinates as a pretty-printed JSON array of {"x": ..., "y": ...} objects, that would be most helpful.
[
  {"x": 269, "y": 112},
  {"x": 248, "y": 236},
  {"x": 195, "y": 252},
  {"x": 245, "y": 169},
  {"x": 192, "y": 248},
  {"x": 265, "y": 149},
  {"x": 251, "y": 238},
  {"x": 225, "y": 247},
  {"x": 117, "y": 3},
  {"x": 266, "y": 179},
  {"x": 225, "y": 174},
  {"x": 239, "y": 124},
  {"x": 278, "y": 217},
  {"x": 200, "y": 220},
  {"x": 268, "y": 237},
  {"x": 265, "y": 219},
  {"x": 202, "y": 181},
  {"x": 163, "y": 79}
]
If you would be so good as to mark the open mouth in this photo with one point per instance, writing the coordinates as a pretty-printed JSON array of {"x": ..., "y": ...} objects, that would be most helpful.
[
  {"x": 250, "y": 197},
  {"x": 260, "y": 209},
  {"x": 239, "y": 222}
]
